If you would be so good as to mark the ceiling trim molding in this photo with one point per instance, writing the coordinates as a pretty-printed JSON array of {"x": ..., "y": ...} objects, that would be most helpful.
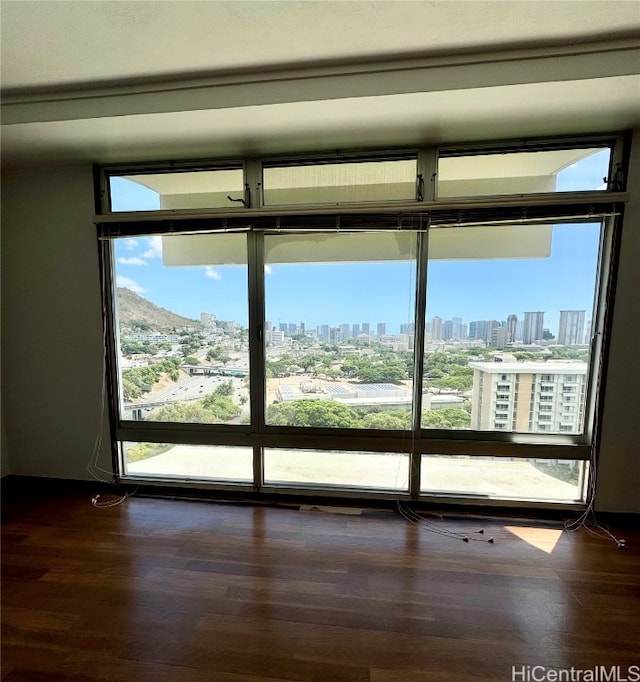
[{"x": 578, "y": 61}]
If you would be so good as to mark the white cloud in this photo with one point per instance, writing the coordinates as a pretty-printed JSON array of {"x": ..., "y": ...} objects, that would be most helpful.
[
  {"x": 128, "y": 283},
  {"x": 130, "y": 244},
  {"x": 268, "y": 270},
  {"x": 155, "y": 248},
  {"x": 134, "y": 260},
  {"x": 212, "y": 273}
]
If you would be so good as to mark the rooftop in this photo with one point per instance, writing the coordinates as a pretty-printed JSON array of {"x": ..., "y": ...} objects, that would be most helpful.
[{"x": 532, "y": 367}]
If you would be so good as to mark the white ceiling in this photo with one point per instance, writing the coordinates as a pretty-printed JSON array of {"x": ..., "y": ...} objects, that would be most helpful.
[{"x": 119, "y": 80}]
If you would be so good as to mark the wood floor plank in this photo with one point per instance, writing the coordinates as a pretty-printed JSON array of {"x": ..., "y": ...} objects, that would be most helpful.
[{"x": 196, "y": 591}]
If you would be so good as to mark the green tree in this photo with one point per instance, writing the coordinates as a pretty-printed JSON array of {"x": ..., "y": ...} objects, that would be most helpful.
[
  {"x": 281, "y": 367},
  {"x": 130, "y": 390},
  {"x": 381, "y": 373},
  {"x": 522, "y": 355},
  {"x": 139, "y": 380},
  {"x": 215, "y": 353},
  {"x": 308, "y": 361},
  {"x": 215, "y": 408},
  {"x": 225, "y": 389},
  {"x": 452, "y": 382},
  {"x": 390, "y": 419},
  {"x": 312, "y": 413},
  {"x": 448, "y": 418},
  {"x": 193, "y": 412},
  {"x": 131, "y": 347}
]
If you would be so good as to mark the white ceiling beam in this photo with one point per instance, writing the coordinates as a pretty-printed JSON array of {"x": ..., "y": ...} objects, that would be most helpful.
[{"x": 350, "y": 80}]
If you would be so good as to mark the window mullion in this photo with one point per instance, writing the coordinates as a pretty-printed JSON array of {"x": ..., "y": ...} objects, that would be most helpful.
[
  {"x": 418, "y": 358},
  {"x": 253, "y": 183},
  {"x": 255, "y": 259},
  {"x": 598, "y": 342},
  {"x": 428, "y": 170}
]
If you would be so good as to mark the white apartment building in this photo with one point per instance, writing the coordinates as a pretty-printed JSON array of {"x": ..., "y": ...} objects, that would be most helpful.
[
  {"x": 528, "y": 397},
  {"x": 274, "y": 337}
]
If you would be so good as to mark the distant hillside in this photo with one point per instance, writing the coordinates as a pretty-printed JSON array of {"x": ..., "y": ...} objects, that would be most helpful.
[{"x": 134, "y": 310}]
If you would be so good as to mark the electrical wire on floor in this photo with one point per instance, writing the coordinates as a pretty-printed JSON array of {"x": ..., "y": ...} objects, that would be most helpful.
[
  {"x": 588, "y": 519},
  {"x": 95, "y": 470},
  {"x": 107, "y": 504},
  {"x": 432, "y": 527}
]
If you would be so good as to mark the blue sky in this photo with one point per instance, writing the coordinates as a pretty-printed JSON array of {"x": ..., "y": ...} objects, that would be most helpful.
[{"x": 373, "y": 292}]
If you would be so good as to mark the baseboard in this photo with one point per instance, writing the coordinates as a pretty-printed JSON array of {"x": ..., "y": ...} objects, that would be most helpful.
[{"x": 13, "y": 486}]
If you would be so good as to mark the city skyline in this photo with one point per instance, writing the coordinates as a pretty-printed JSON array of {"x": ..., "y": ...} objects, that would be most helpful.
[
  {"x": 461, "y": 329},
  {"x": 354, "y": 293},
  {"x": 337, "y": 293}
]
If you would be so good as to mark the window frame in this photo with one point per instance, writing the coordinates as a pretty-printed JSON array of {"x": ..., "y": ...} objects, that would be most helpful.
[{"x": 416, "y": 442}]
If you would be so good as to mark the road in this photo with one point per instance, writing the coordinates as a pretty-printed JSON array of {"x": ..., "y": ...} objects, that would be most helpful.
[{"x": 191, "y": 388}]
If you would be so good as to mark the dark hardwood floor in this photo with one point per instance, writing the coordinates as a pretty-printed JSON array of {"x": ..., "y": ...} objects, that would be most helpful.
[{"x": 160, "y": 589}]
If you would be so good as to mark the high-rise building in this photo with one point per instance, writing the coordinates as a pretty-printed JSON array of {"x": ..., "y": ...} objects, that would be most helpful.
[
  {"x": 345, "y": 331},
  {"x": 323, "y": 332},
  {"x": 335, "y": 335},
  {"x": 408, "y": 328},
  {"x": 512, "y": 328},
  {"x": 528, "y": 397},
  {"x": 436, "y": 328},
  {"x": 482, "y": 330},
  {"x": 355, "y": 331},
  {"x": 571, "y": 327},
  {"x": 456, "y": 328},
  {"x": 447, "y": 330},
  {"x": 365, "y": 329},
  {"x": 498, "y": 335},
  {"x": 492, "y": 325},
  {"x": 533, "y": 325},
  {"x": 382, "y": 329}
]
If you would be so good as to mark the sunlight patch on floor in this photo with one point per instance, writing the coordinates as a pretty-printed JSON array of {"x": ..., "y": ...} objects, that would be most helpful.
[{"x": 545, "y": 539}]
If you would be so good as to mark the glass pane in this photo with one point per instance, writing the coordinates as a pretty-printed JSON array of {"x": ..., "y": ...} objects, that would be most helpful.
[
  {"x": 376, "y": 470},
  {"x": 334, "y": 183},
  {"x": 562, "y": 170},
  {"x": 501, "y": 477},
  {"x": 340, "y": 329},
  {"x": 164, "y": 191},
  {"x": 508, "y": 327},
  {"x": 188, "y": 461},
  {"x": 182, "y": 310}
]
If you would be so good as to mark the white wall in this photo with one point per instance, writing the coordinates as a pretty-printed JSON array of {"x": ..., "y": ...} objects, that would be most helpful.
[
  {"x": 619, "y": 470},
  {"x": 52, "y": 341}
]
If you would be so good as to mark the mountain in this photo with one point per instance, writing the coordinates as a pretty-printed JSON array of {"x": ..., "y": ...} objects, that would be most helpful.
[{"x": 135, "y": 310}]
